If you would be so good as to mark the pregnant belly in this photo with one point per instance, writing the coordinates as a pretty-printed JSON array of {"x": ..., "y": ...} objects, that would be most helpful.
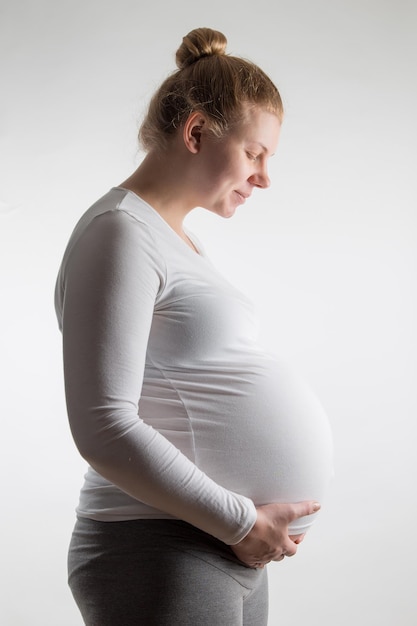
[
  {"x": 259, "y": 432},
  {"x": 272, "y": 441}
]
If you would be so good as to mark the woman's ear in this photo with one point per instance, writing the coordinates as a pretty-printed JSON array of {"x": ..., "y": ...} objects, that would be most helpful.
[{"x": 192, "y": 131}]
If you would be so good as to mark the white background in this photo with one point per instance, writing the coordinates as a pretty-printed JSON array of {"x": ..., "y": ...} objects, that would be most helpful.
[{"x": 328, "y": 252}]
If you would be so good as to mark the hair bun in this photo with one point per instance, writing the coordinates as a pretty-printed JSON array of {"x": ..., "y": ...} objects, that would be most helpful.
[{"x": 199, "y": 43}]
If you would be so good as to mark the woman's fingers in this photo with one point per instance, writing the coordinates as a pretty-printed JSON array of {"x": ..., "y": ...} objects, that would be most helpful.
[{"x": 300, "y": 509}]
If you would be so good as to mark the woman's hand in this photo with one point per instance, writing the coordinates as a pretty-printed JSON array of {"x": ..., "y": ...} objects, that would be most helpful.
[{"x": 269, "y": 539}]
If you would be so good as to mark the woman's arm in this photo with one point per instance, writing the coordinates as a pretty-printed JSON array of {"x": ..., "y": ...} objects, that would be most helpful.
[{"x": 111, "y": 281}]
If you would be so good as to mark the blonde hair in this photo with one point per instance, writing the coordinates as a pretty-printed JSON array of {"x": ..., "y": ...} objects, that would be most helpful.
[{"x": 210, "y": 81}]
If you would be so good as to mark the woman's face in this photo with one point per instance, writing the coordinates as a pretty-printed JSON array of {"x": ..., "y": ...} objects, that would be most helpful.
[{"x": 231, "y": 167}]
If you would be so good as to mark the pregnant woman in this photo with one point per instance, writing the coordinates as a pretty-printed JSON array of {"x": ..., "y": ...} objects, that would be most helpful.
[{"x": 207, "y": 457}]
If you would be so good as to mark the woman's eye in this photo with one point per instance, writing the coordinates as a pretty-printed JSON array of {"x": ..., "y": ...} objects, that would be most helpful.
[{"x": 251, "y": 156}]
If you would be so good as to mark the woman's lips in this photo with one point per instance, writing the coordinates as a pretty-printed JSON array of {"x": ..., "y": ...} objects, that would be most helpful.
[{"x": 242, "y": 196}]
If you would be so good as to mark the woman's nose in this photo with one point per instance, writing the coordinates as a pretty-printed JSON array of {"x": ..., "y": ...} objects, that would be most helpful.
[{"x": 261, "y": 178}]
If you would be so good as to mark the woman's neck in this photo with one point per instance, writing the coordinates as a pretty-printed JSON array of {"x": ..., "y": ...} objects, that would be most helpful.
[
  {"x": 158, "y": 182},
  {"x": 161, "y": 182}
]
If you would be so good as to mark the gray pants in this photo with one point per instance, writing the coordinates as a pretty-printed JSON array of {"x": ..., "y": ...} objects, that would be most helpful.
[{"x": 161, "y": 573}]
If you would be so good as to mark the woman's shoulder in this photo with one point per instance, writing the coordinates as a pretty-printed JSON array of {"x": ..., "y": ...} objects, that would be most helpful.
[
  {"x": 117, "y": 228},
  {"x": 117, "y": 204},
  {"x": 111, "y": 217}
]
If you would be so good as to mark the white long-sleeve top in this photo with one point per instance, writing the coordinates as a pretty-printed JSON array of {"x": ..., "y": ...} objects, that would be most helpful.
[{"x": 171, "y": 401}]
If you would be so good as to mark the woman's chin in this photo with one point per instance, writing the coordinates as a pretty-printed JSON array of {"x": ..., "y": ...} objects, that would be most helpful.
[{"x": 225, "y": 212}]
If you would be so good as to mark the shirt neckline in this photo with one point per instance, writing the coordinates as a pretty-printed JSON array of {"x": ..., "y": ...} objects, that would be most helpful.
[{"x": 197, "y": 249}]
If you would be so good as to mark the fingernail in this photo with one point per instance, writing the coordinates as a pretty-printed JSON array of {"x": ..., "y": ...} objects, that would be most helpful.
[{"x": 316, "y": 506}]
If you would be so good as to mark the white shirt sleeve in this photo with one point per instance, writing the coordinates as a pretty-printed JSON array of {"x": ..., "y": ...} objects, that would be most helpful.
[{"x": 110, "y": 281}]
